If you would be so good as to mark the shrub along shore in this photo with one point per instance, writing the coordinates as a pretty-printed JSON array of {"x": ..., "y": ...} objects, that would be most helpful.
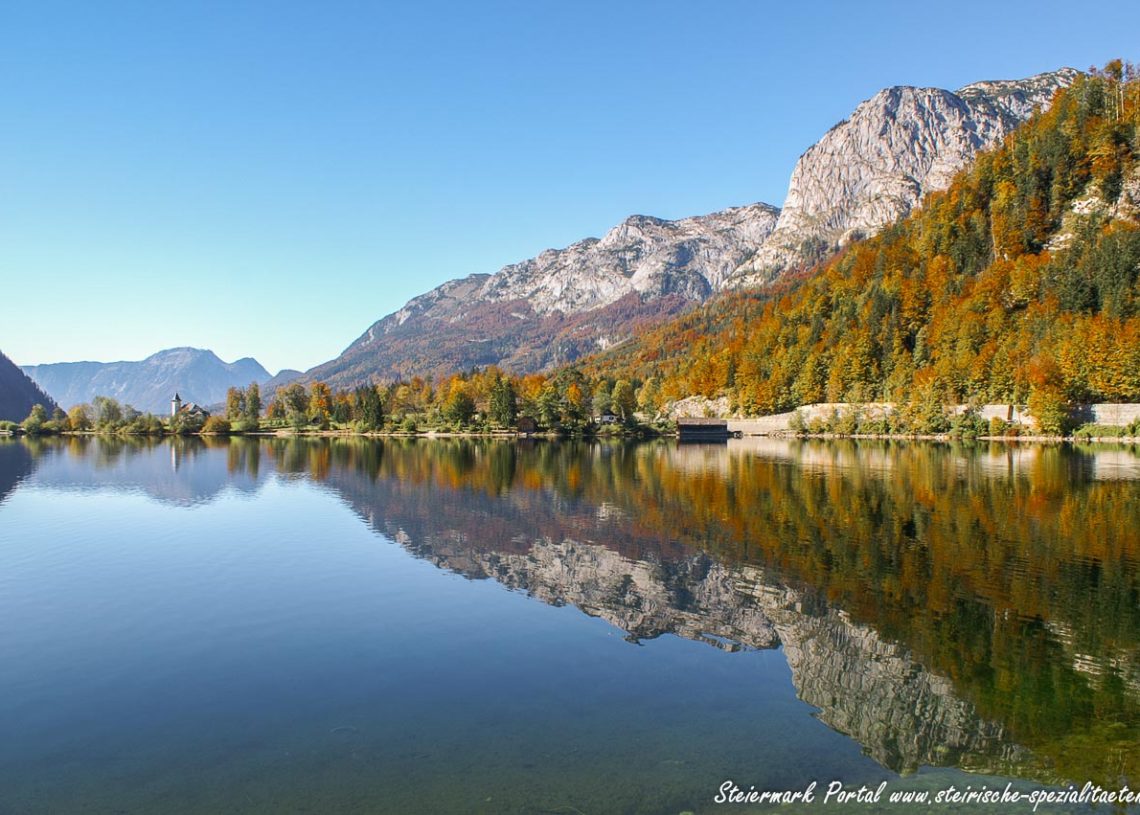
[
  {"x": 838, "y": 426},
  {"x": 499, "y": 410}
]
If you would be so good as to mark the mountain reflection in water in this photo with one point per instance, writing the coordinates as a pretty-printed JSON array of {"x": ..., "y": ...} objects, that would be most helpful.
[{"x": 976, "y": 607}]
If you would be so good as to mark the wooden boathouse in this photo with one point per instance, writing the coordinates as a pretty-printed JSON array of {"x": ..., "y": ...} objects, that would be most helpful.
[{"x": 707, "y": 430}]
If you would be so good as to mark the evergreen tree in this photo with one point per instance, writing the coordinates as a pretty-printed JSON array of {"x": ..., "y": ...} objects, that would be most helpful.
[
  {"x": 369, "y": 409},
  {"x": 503, "y": 403}
]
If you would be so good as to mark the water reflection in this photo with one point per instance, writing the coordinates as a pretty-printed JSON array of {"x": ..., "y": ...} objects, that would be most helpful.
[
  {"x": 180, "y": 471},
  {"x": 973, "y": 607},
  {"x": 16, "y": 463},
  {"x": 941, "y": 605}
]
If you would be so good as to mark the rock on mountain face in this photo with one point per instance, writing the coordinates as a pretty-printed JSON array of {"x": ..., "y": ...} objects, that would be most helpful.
[
  {"x": 643, "y": 255},
  {"x": 18, "y": 393},
  {"x": 562, "y": 304},
  {"x": 864, "y": 173},
  {"x": 873, "y": 168},
  {"x": 197, "y": 375}
]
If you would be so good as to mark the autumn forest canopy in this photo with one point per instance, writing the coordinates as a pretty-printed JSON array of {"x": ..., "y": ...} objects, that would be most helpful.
[{"x": 1019, "y": 284}]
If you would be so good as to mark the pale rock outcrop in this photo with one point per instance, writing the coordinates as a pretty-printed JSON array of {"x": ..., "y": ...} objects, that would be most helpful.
[
  {"x": 641, "y": 255},
  {"x": 875, "y": 167},
  {"x": 1092, "y": 205}
]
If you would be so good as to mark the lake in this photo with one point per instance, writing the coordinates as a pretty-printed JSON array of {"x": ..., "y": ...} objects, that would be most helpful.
[{"x": 476, "y": 626}]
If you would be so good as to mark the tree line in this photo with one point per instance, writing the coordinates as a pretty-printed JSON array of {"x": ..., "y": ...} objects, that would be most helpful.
[
  {"x": 104, "y": 414},
  {"x": 484, "y": 400},
  {"x": 567, "y": 402}
]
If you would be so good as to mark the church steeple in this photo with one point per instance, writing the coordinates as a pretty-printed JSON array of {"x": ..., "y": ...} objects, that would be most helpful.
[{"x": 175, "y": 405}]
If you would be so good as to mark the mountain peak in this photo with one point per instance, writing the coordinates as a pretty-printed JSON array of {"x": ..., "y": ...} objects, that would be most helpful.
[
  {"x": 183, "y": 352},
  {"x": 874, "y": 167},
  {"x": 1039, "y": 84}
]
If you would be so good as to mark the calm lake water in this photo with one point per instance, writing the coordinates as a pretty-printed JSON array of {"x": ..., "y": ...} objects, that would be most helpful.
[{"x": 462, "y": 626}]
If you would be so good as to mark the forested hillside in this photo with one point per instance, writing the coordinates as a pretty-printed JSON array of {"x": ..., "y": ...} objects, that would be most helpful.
[
  {"x": 18, "y": 393},
  {"x": 1019, "y": 283}
]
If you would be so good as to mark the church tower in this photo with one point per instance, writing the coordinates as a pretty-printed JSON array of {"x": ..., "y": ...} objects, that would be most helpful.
[{"x": 175, "y": 405}]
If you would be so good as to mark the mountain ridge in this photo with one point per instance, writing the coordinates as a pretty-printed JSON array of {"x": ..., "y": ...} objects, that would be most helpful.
[
  {"x": 149, "y": 384},
  {"x": 864, "y": 173},
  {"x": 643, "y": 269}
]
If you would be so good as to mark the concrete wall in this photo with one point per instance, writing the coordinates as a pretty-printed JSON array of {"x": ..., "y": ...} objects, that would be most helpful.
[
  {"x": 762, "y": 426},
  {"x": 1107, "y": 414},
  {"x": 1117, "y": 415},
  {"x": 781, "y": 422},
  {"x": 1015, "y": 414}
]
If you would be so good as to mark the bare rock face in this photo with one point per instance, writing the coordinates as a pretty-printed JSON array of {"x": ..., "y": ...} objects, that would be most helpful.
[
  {"x": 562, "y": 304},
  {"x": 875, "y": 167},
  {"x": 1092, "y": 207},
  {"x": 644, "y": 255}
]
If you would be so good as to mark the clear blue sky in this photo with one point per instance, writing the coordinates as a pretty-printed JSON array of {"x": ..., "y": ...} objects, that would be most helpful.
[{"x": 267, "y": 179}]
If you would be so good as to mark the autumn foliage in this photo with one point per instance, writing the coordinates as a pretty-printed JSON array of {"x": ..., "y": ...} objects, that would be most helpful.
[{"x": 1019, "y": 283}]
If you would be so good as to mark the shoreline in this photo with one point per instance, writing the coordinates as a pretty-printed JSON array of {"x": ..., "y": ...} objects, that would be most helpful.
[
  {"x": 948, "y": 437},
  {"x": 551, "y": 436}
]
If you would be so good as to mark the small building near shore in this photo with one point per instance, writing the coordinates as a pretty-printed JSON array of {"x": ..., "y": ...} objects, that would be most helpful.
[
  {"x": 187, "y": 409},
  {"x": 696, "y": 429}
]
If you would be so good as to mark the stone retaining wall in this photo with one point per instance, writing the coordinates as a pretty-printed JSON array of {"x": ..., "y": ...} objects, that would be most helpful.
[{"x": 1106, "y": 414}]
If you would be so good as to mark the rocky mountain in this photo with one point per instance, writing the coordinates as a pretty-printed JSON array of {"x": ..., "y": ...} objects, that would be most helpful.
[
  {"x": 874, "y": 168},
  {"x": 18, "y": 393},
  {"x": 561, "y": 304},
  {"x": 197, "y": 375},
  {"x": 864, "y": 173}
]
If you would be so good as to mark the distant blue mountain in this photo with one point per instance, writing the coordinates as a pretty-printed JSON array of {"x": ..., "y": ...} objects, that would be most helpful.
[
  {"x": 282, "y": 377},
  {"x": 195, "y": 374}
]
